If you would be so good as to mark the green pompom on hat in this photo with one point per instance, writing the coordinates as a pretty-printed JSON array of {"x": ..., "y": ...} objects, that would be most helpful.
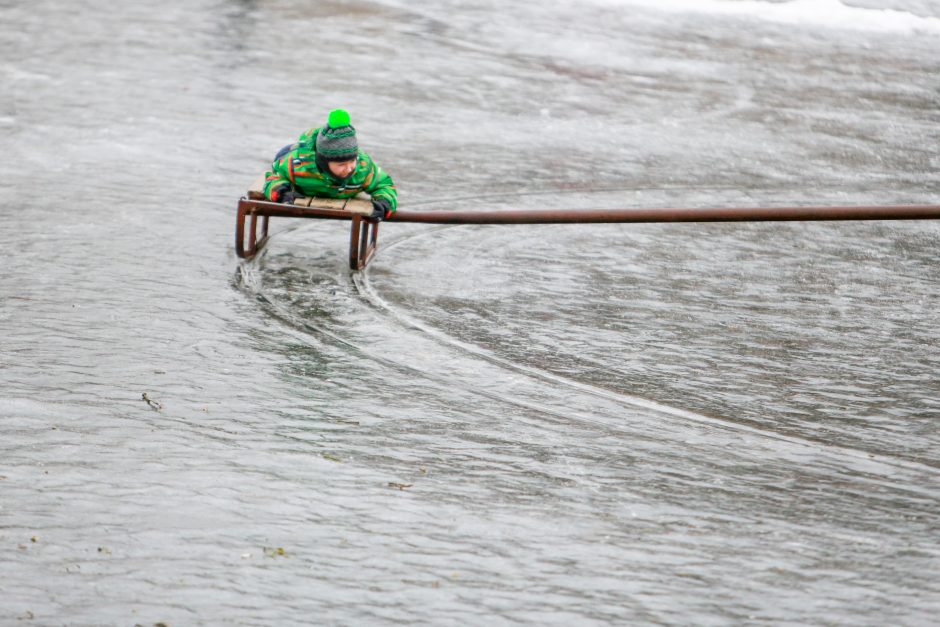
[
  {"x": 337, "y": 140},
  {"x": 338, "y": 118}
]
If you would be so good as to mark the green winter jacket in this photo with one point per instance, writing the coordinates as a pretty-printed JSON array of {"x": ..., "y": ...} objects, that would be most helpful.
[{"x": 298, "y": 169}]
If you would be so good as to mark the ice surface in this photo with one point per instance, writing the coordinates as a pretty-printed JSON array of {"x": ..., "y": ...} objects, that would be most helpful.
[{"x": 599, "y": 424}]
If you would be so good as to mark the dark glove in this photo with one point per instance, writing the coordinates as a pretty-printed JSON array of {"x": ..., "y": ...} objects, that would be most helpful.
[
  {"x": 288, "y": 196},
  {"x": 381, "y": 209}
]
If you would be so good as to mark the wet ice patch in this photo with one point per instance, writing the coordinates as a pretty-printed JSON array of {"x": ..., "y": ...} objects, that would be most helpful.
[
  {"x": 11, "y": 74},
  {"x": 816, "y": 13},
  {"x": 18, "y": 411}
]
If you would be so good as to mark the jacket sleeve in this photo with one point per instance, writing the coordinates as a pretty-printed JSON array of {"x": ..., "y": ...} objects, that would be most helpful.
[
  {"x": 277, "y": 181},
  {"x": 380, "y": 185}
]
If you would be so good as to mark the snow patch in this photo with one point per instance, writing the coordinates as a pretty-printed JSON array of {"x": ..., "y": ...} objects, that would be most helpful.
[{"x": 816, "y": 13}]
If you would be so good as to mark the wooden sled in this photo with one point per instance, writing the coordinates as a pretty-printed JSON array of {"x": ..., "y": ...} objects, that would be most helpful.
[
  {"x": 250, "y": 236},
  {"x": 365, "y": 230}
]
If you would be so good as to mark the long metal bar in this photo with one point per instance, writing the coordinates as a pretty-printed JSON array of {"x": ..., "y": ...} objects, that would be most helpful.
[
  {"x": 364, "y": 231},
  {"x": 738, "y": 214},
  {"x": 583, "y": 216}
]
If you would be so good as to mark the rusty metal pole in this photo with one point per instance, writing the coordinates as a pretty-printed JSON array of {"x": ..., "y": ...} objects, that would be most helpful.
[{"x": 737, "y": 214}]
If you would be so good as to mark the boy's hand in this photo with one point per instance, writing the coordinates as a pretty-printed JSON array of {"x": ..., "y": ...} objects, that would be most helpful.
[
  {"x": 381, "y": 209},
  {"x": 288, "y": 196}
]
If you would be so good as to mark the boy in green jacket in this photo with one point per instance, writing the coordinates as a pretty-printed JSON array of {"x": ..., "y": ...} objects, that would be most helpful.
[{"x": 326, "y": 162}]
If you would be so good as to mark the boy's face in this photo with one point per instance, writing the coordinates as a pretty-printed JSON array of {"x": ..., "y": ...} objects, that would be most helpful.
[{"x": 342, "y": 169}]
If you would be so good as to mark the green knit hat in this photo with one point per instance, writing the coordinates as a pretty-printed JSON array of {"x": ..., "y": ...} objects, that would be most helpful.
[{"x": 337, "y": 140}]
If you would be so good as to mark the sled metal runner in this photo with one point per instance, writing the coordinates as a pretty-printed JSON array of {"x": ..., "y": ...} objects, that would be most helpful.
[
  {"x": 251, "y": 226},
  {"x": 249, "y": 239}
]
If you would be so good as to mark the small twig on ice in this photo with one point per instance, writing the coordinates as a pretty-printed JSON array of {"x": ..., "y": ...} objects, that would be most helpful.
[{"x": 154, "y": 404}]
